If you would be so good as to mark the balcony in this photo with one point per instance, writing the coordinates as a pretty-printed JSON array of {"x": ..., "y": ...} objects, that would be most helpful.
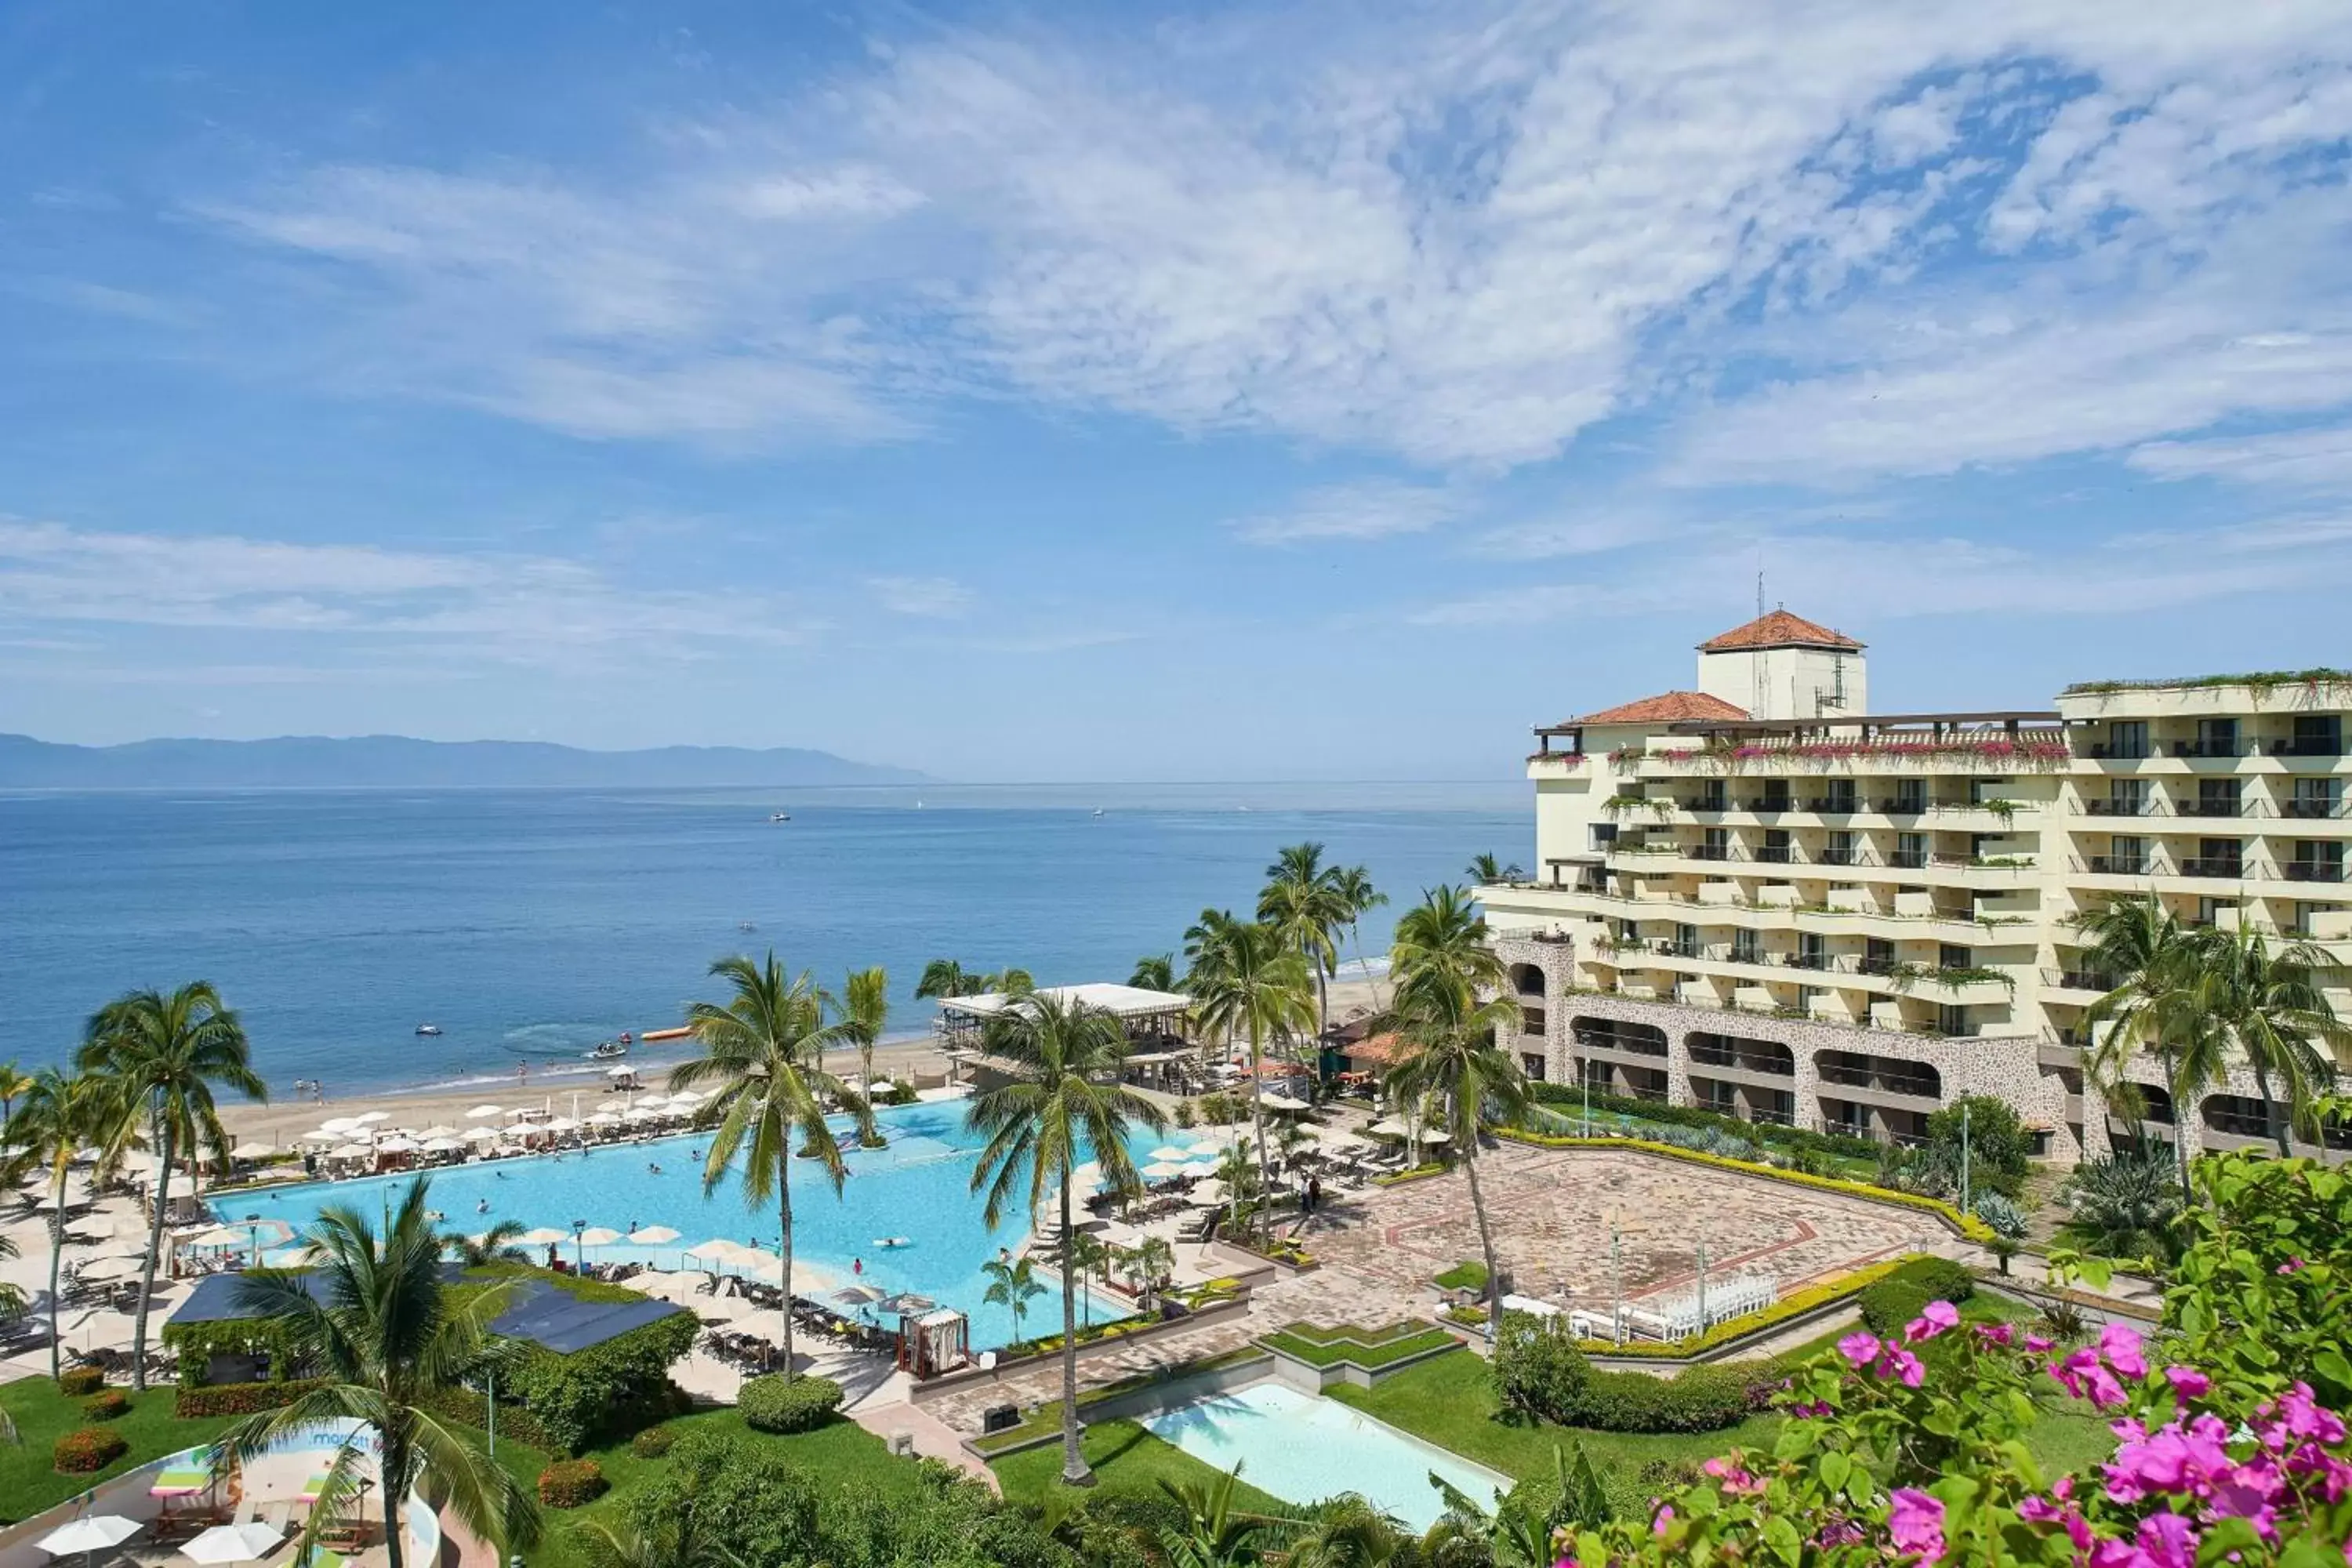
[
  {"x": 1777, "y": 855},
  {"x": 2311, "y": 809},
  {"x": 2225, "y": 866},
  {"x": 2108, "y": 751},
  {"x": 1835, "y": 805},
  {"x": 1902, "y": 805},
  {"x": 2313, "y": 870},
  {"x": 2309, "y": 746},
  {"x": 1837, "y": 856},
  {"x": 1709, "y": 852},
  {"x": 2212, "y": 808},
  {"x": 1908, "y": 859},
  {"x": 2079, "y": 979},
  {"x": 2116, "y": 806},
  {"x": 2116, "y": 865},
  {"x": 2207, "y": 749}
]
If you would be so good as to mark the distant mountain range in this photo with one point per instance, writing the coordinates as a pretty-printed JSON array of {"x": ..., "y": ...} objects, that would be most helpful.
[{"x": 317, "y": 762}]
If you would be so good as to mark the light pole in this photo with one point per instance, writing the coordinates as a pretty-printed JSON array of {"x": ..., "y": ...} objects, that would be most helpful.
[
  {"x": 1964, "y": 1159},
  {"x": 579, "y": 1257}
]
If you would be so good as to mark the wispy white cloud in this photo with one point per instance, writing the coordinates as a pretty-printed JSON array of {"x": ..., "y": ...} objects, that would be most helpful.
[
  {"x": 1374, "y": 509},
  {"x": 2291, "y": 458},
  {"x": 924, "y": 597}
]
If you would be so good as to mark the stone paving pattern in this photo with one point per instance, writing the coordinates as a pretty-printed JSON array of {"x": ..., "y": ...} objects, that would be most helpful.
[{"x": 1550, "y": 1211}]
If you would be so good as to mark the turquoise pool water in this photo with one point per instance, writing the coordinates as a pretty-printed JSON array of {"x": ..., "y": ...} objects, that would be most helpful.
[
  {"x": 1303, "y": 1447},
  {"x": 918, "y": 1188}
]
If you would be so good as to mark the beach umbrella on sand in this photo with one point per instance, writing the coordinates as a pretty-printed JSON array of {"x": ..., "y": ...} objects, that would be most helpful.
[
  {"x": 542, "y": 1236},
  {"x": 1206, "y": 1194},
  {"x": 1386, "y": 1127},
  {"x": 251, "y": 1151},
  {"x": 605, "y": 1119},
  {"x": 247, "y": 1542},
  {"x": 397, "y": 1146},
  {"x": 369, "y": 1118},
  {"x": 718, "y": 1249},
  {"x": 906, "y": 1304},
  {"x": 352, "y": 1152},
  {"x": 564, "y": 1124},
  {"x": 857, "y": 1295},
  {"x": 653, "y": 1236},
  {"x": 437, "y": 1130},
  {"x": 686, "y": 1097},
  {"x": 441, "y": 1145},
  {"x": 320, "y": 1135},
  {"x": 479, "y": 1111},
  {"x": 339, "y": 1123},
  {"x": 481, "y": 1134}
]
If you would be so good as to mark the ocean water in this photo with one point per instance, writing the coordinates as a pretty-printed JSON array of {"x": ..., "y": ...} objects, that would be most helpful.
[
  {"x": 916, "y": 1191},
  {"x": 530, "y": 925}
]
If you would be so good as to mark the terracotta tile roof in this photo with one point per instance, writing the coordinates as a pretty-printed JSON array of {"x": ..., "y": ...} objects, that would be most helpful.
[
  {"x": 1667, "y": 707},
  {"x": 1779, "y": 629},
  {"x": 1379, "y": 1051}
]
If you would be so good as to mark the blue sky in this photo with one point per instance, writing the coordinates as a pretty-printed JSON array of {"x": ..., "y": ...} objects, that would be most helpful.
[{"x": 1132, "y": 391}]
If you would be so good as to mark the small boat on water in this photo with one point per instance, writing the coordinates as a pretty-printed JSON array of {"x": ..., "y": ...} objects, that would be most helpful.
[
  {"x": 428, "y": 1028},
  {"x": 780, "y": 816},
  {"x": 1098, "y": 811},
  {"x": 610, "y": 1050}
]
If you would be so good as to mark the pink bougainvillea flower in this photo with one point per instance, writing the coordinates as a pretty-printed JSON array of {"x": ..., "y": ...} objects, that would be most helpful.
[
  {"x": 1994, "y": 1333},
  {"x": 2085, "y": 1376},
  {"x": 2306, "y": 1418},
  {"x": 1902, "y": 1364},
  {"x": 1935, "y": 1318},
  {"x": 1915, "y": 1525},
  {"x": 2292, "y": 1265},
  {"x": 2167, "y": 1540},
  {"x": 2120, "y": 1344},
  {"x": 1665, "y": 1517},
  {"x": 2038, "y": 1344},
  {"x": 1858, "y": 1348},
  {"x": 2187, "y": 1382}
]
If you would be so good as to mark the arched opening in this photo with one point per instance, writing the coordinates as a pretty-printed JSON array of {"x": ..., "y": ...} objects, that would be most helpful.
[
  {"x": 1740, "y": 1051},
  {"x": 1879, "y": 1075},
  {"x": 1527, "y": 982}
]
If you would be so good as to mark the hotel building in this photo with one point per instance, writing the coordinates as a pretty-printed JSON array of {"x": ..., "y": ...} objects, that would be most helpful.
[{"x": 1762, "y": 897}]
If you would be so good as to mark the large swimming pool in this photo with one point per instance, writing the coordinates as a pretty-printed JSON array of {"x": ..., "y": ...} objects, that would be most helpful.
[
  {"x": 1303, "y": 1447},
  {"x": 919, "y": 1188}
]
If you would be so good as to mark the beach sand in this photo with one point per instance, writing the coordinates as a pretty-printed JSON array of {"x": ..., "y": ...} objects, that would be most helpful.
[{"x": 288, "y": 1116}]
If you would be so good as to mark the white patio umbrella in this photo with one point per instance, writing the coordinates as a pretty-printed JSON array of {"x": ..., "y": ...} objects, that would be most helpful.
[
  {"x": 564, "y": 1124},
  {"x": 252, "y": 1151},
  {"x": 339, "y": 1123},
  {"x": 1278, "y": 1100},
  {"x": 1207, "y": 1195},
  {"x": 247, "y": 1542},
  {"x": 857, "y": 1295},
  {"x": 1168, "y": 1152},
  {"x": 718, "y": 1249},
  {"x": 756, "y": 1258},
  {"x": 481, "y": 1134},
  {"x": 96, "y": 1532},
  {"x": 217, "y": 1236},
  {"x": 1386, "y": 1127},
  {"x": 620, "y": 1072},
  {"x": 605, "y": 1119},
  {"x": 352, "y": 1152},
  {"x": 479, "y": 1111},
  {"x": 1161, "y": 1170},
  {"x": 878, "y": 1085},
  {"x": 1432, "y": 1135},
  {"x": 320, "y": 1135},
  {"x": 437, "y": 1130},
  {"x": 645, "y": 1113},
  {"x": 686, "y": 1097},
  {"x": 653, "y": 1236},
  {"x": 441, "y": 1145},
  {"x": 542, "y": 1236},
  {"x": 611, "y": 1102},
  {"x": 369, "y": 1118},
  {"x": 598, "y": 1236},
  {"x": 397, "y": 1145}
]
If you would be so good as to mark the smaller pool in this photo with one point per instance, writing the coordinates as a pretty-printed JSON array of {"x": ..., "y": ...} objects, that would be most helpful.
[{"x": 1303, "y": 1447}]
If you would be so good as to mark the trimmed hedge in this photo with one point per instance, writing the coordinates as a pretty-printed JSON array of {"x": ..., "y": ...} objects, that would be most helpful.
[
  {"x": 1890, "y": 1304},
  {"x": 1369, "y": 1349},
  {"x": 77, "y": 1382},
  {"x": 1843, "y": 1145},
  {"x": 771, "y": 1404},
  {"x": 572, "y": 1483},
  {"x": 196, "y": 1400},
  {"x": 91, "y": 1448},
  {"x": 607, "y": 1390},
  {"x": 1541, "y": 1370},
  {"x": 653, "y": 1442},
  {"x": 1967, "y": 1224},
  {"x": 106, "y": 1405},
  {"x": 472, "y": 1409}
]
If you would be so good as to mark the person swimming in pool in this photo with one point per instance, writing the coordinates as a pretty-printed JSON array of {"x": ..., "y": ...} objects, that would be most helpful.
[
  {"x": 482, "y": 1206},
  {"x": 654, "y": 1166}
]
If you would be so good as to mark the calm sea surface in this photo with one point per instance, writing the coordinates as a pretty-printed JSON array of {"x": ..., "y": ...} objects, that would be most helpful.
[{"x": 530, "y": 925}]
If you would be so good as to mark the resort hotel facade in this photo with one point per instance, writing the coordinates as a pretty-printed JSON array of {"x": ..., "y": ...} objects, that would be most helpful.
[{"x": 1765, "y": 896}]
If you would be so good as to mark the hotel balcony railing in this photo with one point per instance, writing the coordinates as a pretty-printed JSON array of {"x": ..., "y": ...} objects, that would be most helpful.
[
  {"x": 1902, "y": 805},
  {"x": 2117, "y": 865},
  {"x": 2228, "y": 866},
  {"x": 2207, "y": 748},
  {"x": 1769, "y": 804},
  {"x": 2214, "y": 807},
  {"x": 2313, "y": 870},
  {"x": 2309, "y": 746},
  {"x": 1834, "y": 803},
  {"x": 1745, "y": 1062},
  {"x": 2078, "y": 980},
  {"x": 1908, "y": 859},
  {"x": 1770, "y": 1117},
  {"x": 1710, "y": 851},
  {"x": 2107, "y": 751},
  {"x": 2307, "y": 807},
  {"x": 1846, "y": 855},
  {"x": 1884, "y": 1082},
  {"x": 1777, "y": 855},
  {"x": 2120, "y": 805}
]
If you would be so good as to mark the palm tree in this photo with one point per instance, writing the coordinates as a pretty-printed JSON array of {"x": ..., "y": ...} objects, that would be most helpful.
[
  {"x": 1062, "y": 1099},
  {"x": 1362, "y": 897},
  {"x": 1350, "y": 1532},
  {"x": 1216, "y": 1535},
  {"x": 1146, "y": 1264},
  {"x": 1154, "y": 972},
  {"x": 1454, "y": 1057},
  {"x": 2147, "y": 954},
  {"x": 1485, "y": 871},
  {"x": 2267, "y": 1009},
  {"x": 1247, "y": 980},
  {"x": 762, "y": 1049},
  {"x": 61, "y": 1116},
  {"x": 1302, "y": 900},
  {"x": 371, "y": 1318},
  {"x": 13, "y": 1084},
  {"x": 945, "y": 977},
  {"x": 1519, "y": 1533},
  {"x": 1091, "y": 1256},
  {"x": 499, "y": 1244},
  {"x": 1012, "y": 1282},
  {"x": 1012, "y": 982},
  {"x": 164, "y": 1054},
  {"x": 2123, "y": 1206},
  {"x": 865, "y": 1010}
]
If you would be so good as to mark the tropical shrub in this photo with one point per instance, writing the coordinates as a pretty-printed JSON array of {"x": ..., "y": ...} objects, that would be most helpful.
[
  {"x": 80, "y": 1382},
  {"x": 106, "y": 1405},
  {"x": 1891, "y": 1303},
  {"x": 1939, "y": 1278},
  {"x": 2229, "y": 1447},
  {"x": 194, "y": 1401},
  {"x": 606, "y": 1389},
  {"x": 2124, "y": 1206},
  {"x": 572, "y": 1483},
  {"x": 771, "y": 1404},
  {"x": 653, "y": 1442},
  {"x": 1539, "y": 1371},
  {"x": 731, "y": 1490},
  {"x": 1999, "y": 1149},
  {"x": 1185, "y": 1115},
  {"x": 2008, "y": 1220},
  {"x": 1540, "y": 1374},
  {"x": 79, "y": 1453}
]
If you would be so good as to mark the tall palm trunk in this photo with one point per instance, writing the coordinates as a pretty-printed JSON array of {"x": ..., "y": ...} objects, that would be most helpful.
[
  {"x": 56, "y": 1258},
  {"x": 1258, "y": 1118},
  {"x": 1322, "y": 1001},
  {"x": 784, "y": 1251},
  {"x": 1486, "y": 1245},
  {"x": 1074, "y": 1472},
  {"x": 2277, "y": 1128},
  {"x": 395, "y": 1463},
  {"x": 2180, "y": 1138},
  {"x": 163, "y": 1144}
]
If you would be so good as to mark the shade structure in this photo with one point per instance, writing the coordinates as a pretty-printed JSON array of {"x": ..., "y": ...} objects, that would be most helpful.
[
  {"x": 252, "y": 1151},
  {"x": 353, "y": 1152},
  {"x": 369, "y": 1118},
  {"x": 879, "y": 1086},
  {"x": 481, "y": 1134},
  {"x": 653, "y": 1236},
  {"x": 439, "y": 1131},
  {"x": 1207, "y": 1195},
  {"x": 564, "y": 1124},
  {"x": 247, "y": 1542},
  {"x": 605, "y": 1119},
  {"x": 542, "y": 1236},
  {"x": 611, "y": 1102},
  {"x": 908, "y": 1304},
  {"x": 686, "y": 1097},
  {"x": 857, "y": 1295},
  {"x": 1168, "y": 1152},
  {"x": 1289, "y": 1104},
  {"x": 718, "y": 1249},
  {"x": 441, "y": 1145},
  {"x": 320, "y": 1135},
  {"x": 620, "y": 1072},
  {"x": 1161, "y": 1170},
  {"x": 755, "y": 1257},
  {"x": 598, "y": 1236},
  {"x": 645, "y": 1113},
  {"x": 1386, "y": 1127},
  {"x": 95, "y": 1533},
  {"x": 341, "y": 1123},
  {"x": 217, "y": 1236},
  {"x": 1433, "y": 1135},
  {"x": 479, "y": 1111},
  {"x": 397, "y": 1146}
]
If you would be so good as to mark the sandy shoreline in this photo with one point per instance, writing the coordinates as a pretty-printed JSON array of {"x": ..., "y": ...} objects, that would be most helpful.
[{"x": 288, "y": 1116}]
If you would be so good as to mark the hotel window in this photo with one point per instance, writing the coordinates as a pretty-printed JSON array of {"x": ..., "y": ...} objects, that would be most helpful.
[
  {"x": 1840, "y": 794},
  {"x": 2316, "y": 860},
  {"x": 1531, "y": 1064},
  {"x": 1951, "y": 955},
  {"x": 2127, "y": 797},
  {"x": 1841, "y": 849},
  {"x": 2317, "y": 735},
  {"x": 2210, "y": 910},
  {"x": 1711, "y": 796},
  {"x": 1715, "y": 844},
  {"x": 2127, "y": 738},
  {"x": 1717, "y": 1096},
  {"x": 1776, "y": 851},
  {"x": 1746, "y": 947},
  {"x": 1952, "y": 1020},
  {"x": 2126, "y": 856},
  {"x": 2314, "y": 797},
  {"x": 1685, "y": 941},
  {"x": 1911, "y": 850},
  {"x": 1910, "y": 794},
  {"x": 1877, "y": 955},
  {"x": 1813, "y": 949},
  {"x": 1776, "y": 795},
  {"x": 2216, "y": 738},
  {"x": 2216, "y": 797}
]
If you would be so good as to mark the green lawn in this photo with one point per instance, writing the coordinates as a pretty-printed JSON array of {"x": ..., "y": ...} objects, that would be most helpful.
[
  {"x": 1367, "y": 1348},
  {"x": 839, "y": 1454},
  {"x": 28, "y": 1484},
  {"x": 1125, "y": 1458}
]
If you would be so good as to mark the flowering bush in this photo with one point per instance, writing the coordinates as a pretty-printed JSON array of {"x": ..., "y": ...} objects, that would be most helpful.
[
  {"x": 2224, "y": 1451},
  {"x": 87, "y": 1449}
]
